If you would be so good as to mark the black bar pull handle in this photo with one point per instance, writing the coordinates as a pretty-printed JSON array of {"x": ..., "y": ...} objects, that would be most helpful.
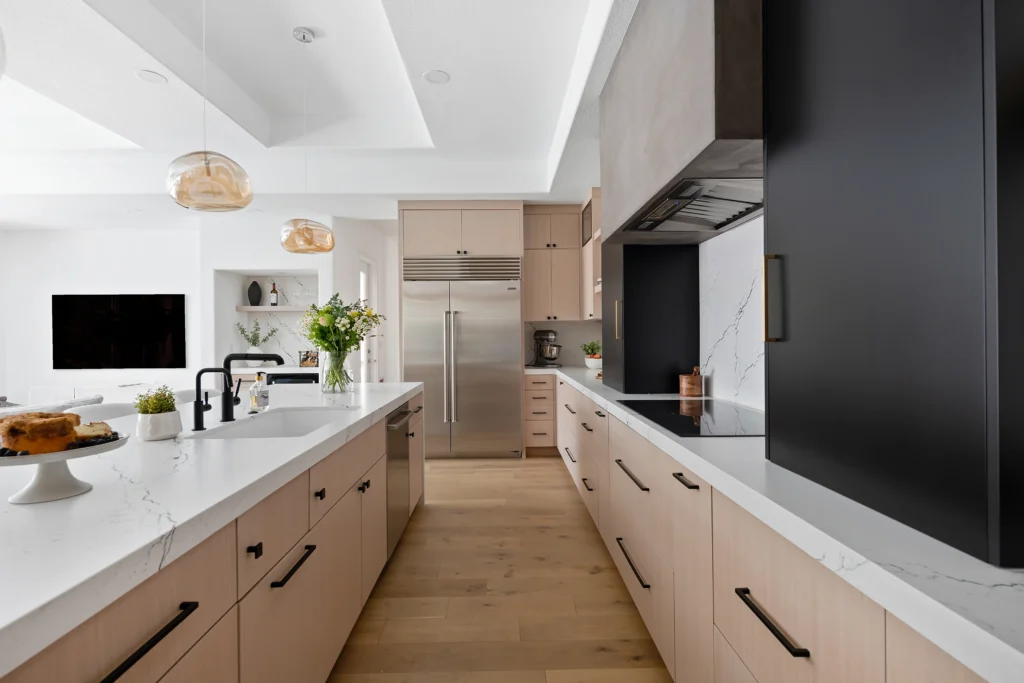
[
  {"x": 540, "y": 412},
  {"x": 186, "y": 610},
  {"x": 295, "y": 568},
  {"x": 772, "y": 298},
  {"x": 586, "y": 427},
  {"x": 629, "y": 560},
  {"x": 744, "y": 594},
  {"x": 570, "y": 409},
  {"x": 599, "y": 413},
  {"x": 569, "y": 453},
  {"x": 678, "y": 476},
  {"x": 411, "y": 434},
  {"x": 256, "y": 550},
  {"x": 585, "y": 484},
  {"x": 540, "y": 398},
  {"x": 639, "y": 484},
  {"x": 540, "y": 433},
  {"x": 418, "y": 409}
]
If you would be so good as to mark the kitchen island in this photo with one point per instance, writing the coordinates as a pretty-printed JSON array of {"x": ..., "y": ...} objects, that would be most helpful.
[
  {"x": 152, "y": 502},
  {"x": 969, "y": 609}
]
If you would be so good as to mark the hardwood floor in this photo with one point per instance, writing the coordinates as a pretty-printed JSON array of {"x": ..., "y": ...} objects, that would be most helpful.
[{"x": 501, "y": 577}]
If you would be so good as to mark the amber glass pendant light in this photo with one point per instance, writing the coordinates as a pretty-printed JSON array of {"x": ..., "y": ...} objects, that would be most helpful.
[
  {"x": 205, "y": 180},
  {"x": 303, "y": 235}
]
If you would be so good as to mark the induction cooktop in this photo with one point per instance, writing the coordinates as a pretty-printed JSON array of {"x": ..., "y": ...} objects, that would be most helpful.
[{"x": 700, "y": 417}]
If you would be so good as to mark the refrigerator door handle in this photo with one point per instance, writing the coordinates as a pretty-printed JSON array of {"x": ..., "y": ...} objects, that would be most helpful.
[
  {"x": 444, "y": 362},
  {"x": 454, "y": 375}
]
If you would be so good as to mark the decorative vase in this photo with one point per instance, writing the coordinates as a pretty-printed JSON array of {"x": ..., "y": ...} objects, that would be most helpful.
[
  {"x": 334, "y": 378},
  {"x": 254, "y": 363},
  {"x": 255, "y": 294},
  {"x": 593, "y": 363},
  {"x": 159, "y": 426}
]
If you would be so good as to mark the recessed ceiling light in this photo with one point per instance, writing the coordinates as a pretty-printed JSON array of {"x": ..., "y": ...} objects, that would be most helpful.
[
  {"x": 437, "y": 77},
  {"x": 151, "y": 77}
]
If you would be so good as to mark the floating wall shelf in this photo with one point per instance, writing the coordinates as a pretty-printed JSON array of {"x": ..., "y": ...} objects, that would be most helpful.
[{"x": 270, "y": 309}]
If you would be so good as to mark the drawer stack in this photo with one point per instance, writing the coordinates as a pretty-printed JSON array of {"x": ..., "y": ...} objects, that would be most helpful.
[{"x": 539, "y": 411}]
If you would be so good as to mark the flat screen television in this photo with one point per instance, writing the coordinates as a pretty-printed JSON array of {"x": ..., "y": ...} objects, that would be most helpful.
[{"x": 107, "y": 331}]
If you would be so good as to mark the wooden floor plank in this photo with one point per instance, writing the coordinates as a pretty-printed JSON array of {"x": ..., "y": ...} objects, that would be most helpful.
[{"x": 501, "y": 577}]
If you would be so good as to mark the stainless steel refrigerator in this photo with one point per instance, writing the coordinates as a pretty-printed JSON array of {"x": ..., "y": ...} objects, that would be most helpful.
[{"x": 463, "y": 340}]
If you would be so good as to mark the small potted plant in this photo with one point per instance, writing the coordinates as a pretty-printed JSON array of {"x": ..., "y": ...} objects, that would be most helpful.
[
  {"x": 159, "y": 418},
  {"x": 255, "y": 339},
  {"x": 592, "y": 350}
]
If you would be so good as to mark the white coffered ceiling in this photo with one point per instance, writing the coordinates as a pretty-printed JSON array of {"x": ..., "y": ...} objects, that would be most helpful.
[{"x": 516, "y": 119}]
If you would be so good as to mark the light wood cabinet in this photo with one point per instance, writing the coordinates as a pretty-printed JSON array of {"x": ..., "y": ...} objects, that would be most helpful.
[
  {"x": 755, "y": 569},
  {"x": 728, "y": 668},
  {"x": 270, "y": 529},
  {"x": 910, "y": 658},
  {"x": 537, "y": 231},
  {"x": 431, "y": 232},
  {"x": 565, "y": 284},
  {"x": 193, "y": 592},
  {"x": 565, "y": 231},
  {"x": 416, "y": 461},
  {"x": 332, "y": 477},
  {"x": 491, "y": 232},
  {"x": 589, "y": 485},
  {"x": 536, "y": 284},
  {"x": 538, "y": 405},
  {"x": 214, "y": 659},
  {"x": 540, "y": 434},
  {"x": 587, "y": 280},
  {"x": 294, "y": 622},
  {"x": 374, "y": 493}
]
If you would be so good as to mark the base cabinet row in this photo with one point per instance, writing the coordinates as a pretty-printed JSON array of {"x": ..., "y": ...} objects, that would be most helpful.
[
  {"x": 724, "y": 597},
  {"x": 271, "y": 597}
]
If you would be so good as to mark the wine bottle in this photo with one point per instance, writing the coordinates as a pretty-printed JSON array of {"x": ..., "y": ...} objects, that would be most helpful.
[{"x": 273, "y": 293}]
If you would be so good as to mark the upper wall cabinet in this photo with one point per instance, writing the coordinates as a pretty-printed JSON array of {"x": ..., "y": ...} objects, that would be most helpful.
[
  {"x": 551, "y": 231},
  {"x": 461, "y": 232}
]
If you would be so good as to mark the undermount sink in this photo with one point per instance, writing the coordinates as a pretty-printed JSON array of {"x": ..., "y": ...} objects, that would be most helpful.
[{"x": 275, "y": 424}]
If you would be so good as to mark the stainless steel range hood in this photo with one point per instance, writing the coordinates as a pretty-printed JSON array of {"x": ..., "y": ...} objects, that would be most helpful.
[{"x": 705, "y": 205}]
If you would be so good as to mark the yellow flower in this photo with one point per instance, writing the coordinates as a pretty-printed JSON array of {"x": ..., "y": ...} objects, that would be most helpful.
[{"x": 353, "y": 314}]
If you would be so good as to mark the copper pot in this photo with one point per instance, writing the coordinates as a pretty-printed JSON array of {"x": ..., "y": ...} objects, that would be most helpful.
[{"x": 691, "y": 385}]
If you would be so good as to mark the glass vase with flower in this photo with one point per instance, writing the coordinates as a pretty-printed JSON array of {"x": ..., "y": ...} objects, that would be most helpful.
[{"x": 337, "y": 329}]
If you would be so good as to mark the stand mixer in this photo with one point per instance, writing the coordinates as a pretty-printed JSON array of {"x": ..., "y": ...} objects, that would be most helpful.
[{"x": 545, "y": 350}]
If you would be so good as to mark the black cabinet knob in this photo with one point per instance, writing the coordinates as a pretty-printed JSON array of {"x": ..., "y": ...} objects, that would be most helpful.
[
  {"x": 554, "y": 317},
  {"x": 548, "y": 246},
  {"x": 459, "y": 251},
  {"x": 321, "y": 494},
  {"x": 411, "y": 434},
  {"x": 256, "y": 550},
  {"x": 554, "y": 245},
  {"x": 549, "y": 317}
]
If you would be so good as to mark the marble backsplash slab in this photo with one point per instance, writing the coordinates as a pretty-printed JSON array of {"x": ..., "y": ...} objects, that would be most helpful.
[
  {"x": 731, "y": 346},
  {"x": 292, "y": 291}
]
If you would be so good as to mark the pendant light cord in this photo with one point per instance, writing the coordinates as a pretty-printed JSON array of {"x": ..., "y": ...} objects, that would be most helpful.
[
  {"x": 205, "y": 159},
  {"x": 305, "y": 123}
]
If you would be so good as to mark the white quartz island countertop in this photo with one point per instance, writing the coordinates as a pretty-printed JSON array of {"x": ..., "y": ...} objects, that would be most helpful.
[
  {"x": 64, "y": 561},
  {"x": 971, "y": 609}
]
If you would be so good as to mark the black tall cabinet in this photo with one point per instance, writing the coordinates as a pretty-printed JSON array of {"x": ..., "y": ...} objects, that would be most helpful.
[
  {"x": 894, "y": 181},
  {"x": 650, "y": 306}
]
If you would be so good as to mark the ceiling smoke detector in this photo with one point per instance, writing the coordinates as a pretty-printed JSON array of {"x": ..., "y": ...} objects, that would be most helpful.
[
  {"x": 303, "y": 34},
  {"x": 437, "y": 77},
  {"x": 151, "y": 77}
]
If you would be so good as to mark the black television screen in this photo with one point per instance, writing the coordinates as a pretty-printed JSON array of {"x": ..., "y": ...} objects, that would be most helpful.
[{"x": 95, "y": 331}]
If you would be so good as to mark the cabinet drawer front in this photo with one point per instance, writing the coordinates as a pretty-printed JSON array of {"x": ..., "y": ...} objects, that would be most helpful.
[
  {"x": 540, "y": 382},
  {"x": 651, "y": 467},
  {"x": 269, "y": 530},
  {"x": 589, "y": 484},
  {"x": 910, "y": 658},
  {"x": 827, "y": 631},
  {"x": 416, "y": 405},
  {"x": 540, "y": 434},
  {"x": 214, "y": 659},
  {"x": 539, "y": 405},
  {"x": 568, "y": 402},
  {"x": 593, "y": 430},
  {"x": 648, "y": 577},
  {"x": 204, "y": 575},
  {"x": 374, "y": 512},
  {"x": 335, "y": 474},
  {"x": 295, "y": 632},
  {"x": 569, "y": 450},
  {"x": 728, "y": 667}
]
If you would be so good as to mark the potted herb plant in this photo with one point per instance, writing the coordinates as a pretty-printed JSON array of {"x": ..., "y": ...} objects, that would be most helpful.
[
  {"x": 255, "y": 339},
  {"x": 337, "y": 329},
  {"x": 159, "y": 418},
  {"x": 592, "y": 350}
]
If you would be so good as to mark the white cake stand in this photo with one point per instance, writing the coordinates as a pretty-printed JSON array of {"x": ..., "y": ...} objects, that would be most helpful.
[{"x": 52, "y": 479}]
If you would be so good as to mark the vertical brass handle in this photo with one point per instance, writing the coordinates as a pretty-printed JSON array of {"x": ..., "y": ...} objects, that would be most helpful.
[{"x": 618, "y": 319}]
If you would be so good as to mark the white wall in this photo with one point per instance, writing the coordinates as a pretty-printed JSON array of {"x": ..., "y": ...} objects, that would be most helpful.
[
  {"x": 40, "y": 263},
  {"x": 731, "y": 346},
  {"x": 571, "y": 334},
  {"x": 376, "y": 242}
]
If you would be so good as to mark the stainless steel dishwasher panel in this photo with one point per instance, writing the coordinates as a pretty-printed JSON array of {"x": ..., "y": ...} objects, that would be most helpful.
[{"x": 398, "y": 474}]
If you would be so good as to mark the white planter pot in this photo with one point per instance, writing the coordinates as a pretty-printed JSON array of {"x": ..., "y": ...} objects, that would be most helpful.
[
  {"x": 593, "y": 363},
  {"x": 254, "y": 363},
  {"x": 159, "y": 427}
]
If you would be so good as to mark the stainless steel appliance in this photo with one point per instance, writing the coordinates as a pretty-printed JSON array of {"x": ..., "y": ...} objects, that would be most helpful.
[
  {"x": 397, "y": 473},
  {"x": 463, "y": 340},
  {"x": 545, "y": 350}
]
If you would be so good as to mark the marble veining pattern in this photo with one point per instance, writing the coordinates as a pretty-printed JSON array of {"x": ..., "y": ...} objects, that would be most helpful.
[
  {"x": 731, "y": 346},
  {"x": 971, "y": 609},
  {"x": 62, "y": 562},
  {"x": 292, "y": 291}
]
